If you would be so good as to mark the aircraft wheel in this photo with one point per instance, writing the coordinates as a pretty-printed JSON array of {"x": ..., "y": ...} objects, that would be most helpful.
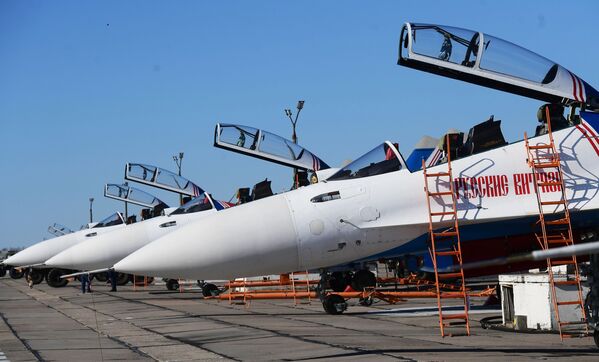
[
  {"x": 16, "y": 273},
  {"x": 101, "y": 277},
  {"x": 122, "y": 279},
  {"x": 209, "y": 290},
  {"x": 596, "y": 337},
  {"x": 2, "y": 271},
  {"x": 37, "y": 276},
  {"x": 53, "y": 278},
  {"x": 334, "y": 304},
  {"x": 338, "y": 281},
  {"x": 172, "y": 284},
  {"x": 363, "y": 279},
  {"x": 366, "y": 302}
]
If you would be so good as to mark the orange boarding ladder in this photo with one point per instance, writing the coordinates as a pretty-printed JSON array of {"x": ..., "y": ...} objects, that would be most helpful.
[
  {"x": 556, "y": 228},
  {"x": 446, "y": 243}
]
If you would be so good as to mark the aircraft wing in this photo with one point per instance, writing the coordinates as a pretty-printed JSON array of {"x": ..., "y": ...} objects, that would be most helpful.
[
  {"x": 132, "y": 195},
  {"x": 265, "y": 145},
  {"x": 486, "y": 60},
  {"x": 161, "y": 178}
]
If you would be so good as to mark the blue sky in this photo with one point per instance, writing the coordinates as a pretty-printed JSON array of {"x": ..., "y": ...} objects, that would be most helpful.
[{"x": 87, "y": 86}]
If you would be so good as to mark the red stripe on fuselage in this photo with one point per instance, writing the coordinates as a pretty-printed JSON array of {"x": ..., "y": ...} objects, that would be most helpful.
[
  {"x": 586, "y": 130},
  {"x": 574, "y": 90}
]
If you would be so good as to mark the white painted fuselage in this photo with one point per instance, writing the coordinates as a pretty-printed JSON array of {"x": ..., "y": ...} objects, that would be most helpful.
[{"x": 289, "y": 232}]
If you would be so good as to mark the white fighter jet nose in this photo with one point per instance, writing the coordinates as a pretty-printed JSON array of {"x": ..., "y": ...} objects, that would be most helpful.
[
  {"x": 42, "y": 251},
  {"x": 253, "y": 239},
  {"x": 101, "y": 251}
]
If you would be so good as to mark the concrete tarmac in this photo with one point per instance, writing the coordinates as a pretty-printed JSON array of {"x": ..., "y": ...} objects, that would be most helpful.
[{"x": 62, "y": 324}]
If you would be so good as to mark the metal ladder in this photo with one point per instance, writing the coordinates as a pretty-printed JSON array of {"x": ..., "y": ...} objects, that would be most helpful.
[
  {"x": 556, "y": 228},
  {"x": 446, "y": 239}
]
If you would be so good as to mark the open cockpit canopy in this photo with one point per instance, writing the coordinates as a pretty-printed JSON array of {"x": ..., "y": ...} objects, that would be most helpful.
[
  {"x": 485, "y": 60},
  {"x": 161, "y": 178},
  {"x": 58, "y": 229},
  {"x": 201, "y": 203},
  {"x": 132, "y": 195},
  {"x": 114, "y": 219},
  {"x": 265, "y": 145},
  {"x": 384, "y": 158}
]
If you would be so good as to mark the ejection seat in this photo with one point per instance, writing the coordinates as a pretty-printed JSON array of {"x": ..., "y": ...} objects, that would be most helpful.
[
  {"x": 261, "y": 190},
  {"x": 483, "y": 137},
  {"x": 556, "y": 117}
]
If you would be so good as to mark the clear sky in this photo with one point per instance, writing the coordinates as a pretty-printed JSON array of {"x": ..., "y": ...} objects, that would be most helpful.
[{"x": 87, "y": 86}]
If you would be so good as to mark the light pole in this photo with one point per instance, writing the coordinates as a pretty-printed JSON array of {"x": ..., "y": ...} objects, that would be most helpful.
[
  {"x": 126, "y": 203},
  {"x": 178, "y": 161},
  {"x": 288, "y": 113},
  {"x": 91, "y": 213}
]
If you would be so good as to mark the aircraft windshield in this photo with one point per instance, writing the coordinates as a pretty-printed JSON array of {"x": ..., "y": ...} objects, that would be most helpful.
[
  {"x": 131, "y": 194},
  {"x": 382, "y": 159},
  {"x": 455, "y": 45},
  {"x": 158, "y": 177},
  {"x": 265, "y": 145},
  {"x": 114, "y": 219},
  {"x": 200, "y": 203}
]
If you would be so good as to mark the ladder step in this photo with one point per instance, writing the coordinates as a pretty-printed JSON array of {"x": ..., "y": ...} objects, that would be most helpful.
[
  {"x": 449, "y": 275},
  {"x": 437, "y": 174},
  {"x": 546, "y": 165},
  {"x": 572, "y": 323},
  {"x": 540, "y": 147},
  {"x": 442, "y": 193},
  {"x": 454, "y": 316},
  {"x": 450, "y": 252},
  {"x": 563, "y": 261},
  {"x": 440, "y": 213},
  {"x": 446, "y": 234},
  {"x": 562, "y": 241},
  {"x": 563, "y": 221},
  {"x": 569, "y": 302},
  {"x": 565, "y": 282},
  {"x": 558, "y": 202}
]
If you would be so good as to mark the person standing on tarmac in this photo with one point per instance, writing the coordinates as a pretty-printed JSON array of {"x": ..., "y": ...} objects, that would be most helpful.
[
  {"x": 112, "y": 278},
  {"x": 85, "y": 283}
]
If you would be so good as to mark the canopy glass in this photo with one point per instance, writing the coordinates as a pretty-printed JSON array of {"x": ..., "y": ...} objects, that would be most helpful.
[
  {"x": 161, "y": 178},
  {"x": 265, "y": 145},
  {"x": 382, "y": 159}
]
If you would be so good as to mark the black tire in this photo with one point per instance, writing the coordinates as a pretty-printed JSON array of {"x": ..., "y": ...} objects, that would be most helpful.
[
  {"x": 338, "y": 281},
  {"x": 122, "y": 279},
  {"x": 210, "y": 290},
  {"x": 2, "y": 271},
  {"x": 16, "y": 274},
  {"x": 363, "y": 279},
  {"x": 334, "y": 304},
  {"x": 53, "y": 278},
  {"x": 366, "y": 302},
  {"x": 172, "y": 284},
  {"x": 101, "y": 277},
  {"x": 596, "y": 337},
  {"x": 37, "y": 276}
]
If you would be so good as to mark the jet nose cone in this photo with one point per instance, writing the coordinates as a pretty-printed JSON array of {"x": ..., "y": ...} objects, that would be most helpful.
[
  {"x": 40, "y": 252},
  {"x": 101, "y": 251},
  {"x": 252, "y": 239}
]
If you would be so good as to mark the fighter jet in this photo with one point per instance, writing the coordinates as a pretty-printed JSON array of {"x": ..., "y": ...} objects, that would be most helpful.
[
  {"x": 377, "y": 204},
  {"x": 103, "y": 252},
  {"x": 35, "y": 255}
]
